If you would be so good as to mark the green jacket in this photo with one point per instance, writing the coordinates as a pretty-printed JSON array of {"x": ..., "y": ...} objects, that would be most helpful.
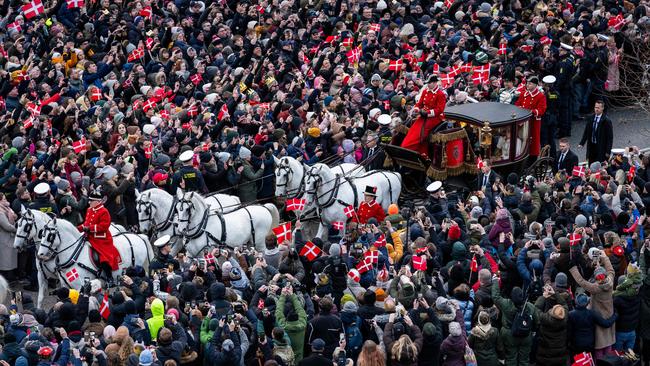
[
  {"x": 508, "y": 308},
  {"x": 206, "y": 332},
  {"x": 247, "y": 191},
  {"x": 157, "y": 321},
  {"x": 77, "y": 207},
  {"x": 295, "y": 329}
]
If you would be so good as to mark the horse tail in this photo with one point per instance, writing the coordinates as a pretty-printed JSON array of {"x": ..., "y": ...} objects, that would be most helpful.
[
  {"x": 4, "y": 289},
  {"x": 275, "y": 215}
]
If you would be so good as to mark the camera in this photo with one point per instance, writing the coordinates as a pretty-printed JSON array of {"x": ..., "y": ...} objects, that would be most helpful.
[{"x": 239, "y": 308}]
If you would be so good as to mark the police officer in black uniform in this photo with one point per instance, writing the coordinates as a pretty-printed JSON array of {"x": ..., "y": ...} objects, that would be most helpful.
[
  {"x": 437, "y": 205},
  {"x": 549, "y": 120},
  {"x": 191, "y": 178},
  {"x": 42, "y": 202},
  {"x": 564, "y": 85},
  {"x": 163, "y": 258}
]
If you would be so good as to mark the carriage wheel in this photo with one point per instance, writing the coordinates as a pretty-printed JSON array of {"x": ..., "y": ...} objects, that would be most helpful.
[{"x": 540, "y": 168}]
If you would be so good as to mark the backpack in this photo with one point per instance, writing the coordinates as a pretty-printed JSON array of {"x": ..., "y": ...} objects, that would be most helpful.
[
  {"x": 353, "y": 338},
  {"x": 522, "y": 324},
  {"x": 536, "y": 289}
]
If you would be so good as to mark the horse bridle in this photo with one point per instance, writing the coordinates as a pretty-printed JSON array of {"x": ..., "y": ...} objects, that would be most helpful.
[
  {"x": 50, "y": 234},
  {"x": 31, "y": 222},
  {"x": 285, "y": 167},
  {"x": 148, "y": 210}
]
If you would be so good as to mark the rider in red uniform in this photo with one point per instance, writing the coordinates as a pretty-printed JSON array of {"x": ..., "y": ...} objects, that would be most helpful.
[
  {"x": 96, "y": 226},
  {"x": 431, "y": 108},
  {"x": 369, "y": 207},
  {"x": 535, "y": 101}
]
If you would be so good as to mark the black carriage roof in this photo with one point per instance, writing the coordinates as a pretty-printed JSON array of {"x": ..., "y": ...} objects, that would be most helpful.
[{"x": 493, "y": 112}]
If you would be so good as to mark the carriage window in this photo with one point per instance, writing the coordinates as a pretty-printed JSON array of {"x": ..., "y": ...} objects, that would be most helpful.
[
  {"x": 501, "y": 143},
  {"x": 522, "y": 138}
]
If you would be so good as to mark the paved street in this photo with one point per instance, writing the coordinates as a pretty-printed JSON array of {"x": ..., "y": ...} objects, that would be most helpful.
[{"x": 631, "y": 128}]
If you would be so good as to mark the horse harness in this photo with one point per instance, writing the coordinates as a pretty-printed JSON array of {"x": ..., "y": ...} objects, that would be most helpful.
[
  {"x": 288, "y": 193},
  {"x": 78, "y": 245},
  {"x": 148, "y": 210}
]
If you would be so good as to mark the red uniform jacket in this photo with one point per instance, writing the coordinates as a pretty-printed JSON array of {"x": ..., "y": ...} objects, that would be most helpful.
[
  {"x": 368, "y": 210},
  {"x": 536, "y": 103},
  {"x": 98, "y": 221},
  {"x": 430, "y": 101}
]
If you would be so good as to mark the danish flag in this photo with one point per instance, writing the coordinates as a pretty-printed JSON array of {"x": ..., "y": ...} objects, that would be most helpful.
[
  {"x": 467, "y": 67},
  {"x": 95, "y": 94},
  {"x": 454, "y": 71},
  {"x": 395, "y": 65},
  {"x": 449, "y": 3},
  {"x": 75, "y": 4},
  {"x": 375, "y": 27},
  {"x": 72, "y": 275},
  {"x": 28, "y": 123},
  {"x": 583, "y": 359},
  {"x": 354, "y": 275},
  {"x": 14, "y": 26},
  {"x": 419, "y": 263},
  {"x": 353, "y": 55},
  {"x": 223, "y": 112},
  {"x": 150, "y": 103},
  {"x": 349, "y": 211},
  {"x": 205, "y": 146},
  {"x": 372, "y": 256},
  {"x": 79, "y": 146},
  {"x": 446, "y": 80},
  {"x": 616, "y": 22},
  {"x": 136, "y": 54},
  {"x": 260, "y": 9},
  {"x": 146, "y": 12},
  {"x": 631, "y": 174},
  {"x": 521, "y": 87},
  {"x": 331, "y": 39},
  {"x": 380, "y": 242},
  {"x": 578, "y": 171},
  {"x": 338, "y": 225},
  {"x": 364, "y": 266},
  {"x": 164, "y": 114},
  {"x": 481, "y": 74},
  {"x": 310, "y": 251},
  {"x": 33, "y": 9},
  {"x": 545, "y": 40},
  {"x": 33, "y": 108},
  {"x": 480, "y": 163},
  {"x": 473, "y": 266},
  {"x": 104, "y": 309},
  {"x": 575, "y": 239},
  {"x": 193, "y": 110},
  {"x": 347, "y": 42},
  {"x": 503, "y": 49},
  {"x": 209, "y": 258},
  {"x": 148, "y": 151},
  {"x": 296, "y": 204},
  {"x": 283, "y": 232},
  {"x": 149, "y": 43},
  {"x": 196, "y": 79},
  {"x": 186, "y": 126},
  {"x": 526, "y": 48}
]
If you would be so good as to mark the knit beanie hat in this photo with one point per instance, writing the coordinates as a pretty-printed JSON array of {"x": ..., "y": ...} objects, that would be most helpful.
[
  {"x": 561, "y": 280},
  {"x": 335, "y": 249},
  {"x": 454, "y": 329}
]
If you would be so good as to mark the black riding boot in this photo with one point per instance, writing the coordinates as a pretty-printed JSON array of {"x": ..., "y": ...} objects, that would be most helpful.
[{"x": 108, "y": 274}]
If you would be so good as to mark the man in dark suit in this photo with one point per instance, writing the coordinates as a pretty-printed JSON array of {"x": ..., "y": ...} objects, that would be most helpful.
[
  {"x": 487, "y": 177},
  {"x": 565, "y": 159},
  {"x": 598, "y": 135},
  {"x": 372, "y": 151}
]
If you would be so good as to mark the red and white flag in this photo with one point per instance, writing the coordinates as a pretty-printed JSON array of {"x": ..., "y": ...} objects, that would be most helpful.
[
  {"x": 353, "y": 55},
  {"x": 349, "y": 211},
  {"x": 72, "y": 275},
  {"x": 283, "y": 232},
  {"x": 164, "y": 114},
  {"x": 395, "y": 65},
  {"x": 338, "y": 225},
  {"x": 193, "y": 111},
  {"x": 33, "y": 108},
  {"x": 205, "y": 146},
  {"x": 481, "y": 74},
  {"x": 79, "y": 146},
  {"x": 616, "y": 22},
  {"x": 149, "y": 43},
  {"x": 347, "y": 42},
  {"x": 310, "y": 251},
  {"x": 136, "y": 54},
  {"x": 296, "y": 204},
  {"x": 380, "y": 242},
  {"x": 146, "y": 12},
  {"x": 375, "y": 27},
  {"x": 223, "y": 112},
  {"x": 419, "y": 263},
  {"x": 449, "y": 3},
  {"x": 503, "y": 49},
  {"x": 446, "y": 80},
  {"x": 372, "y": 256},
  {"x": 354, "y": 275},
  {"x": 75, "y": 4},
  {"x": 15, "y": 26},
  {"x": 575, "y": 239},
  {"x": 473, "y": 266},
  {"x": 104, "y": 309},
  {"x": 150, "y": 103},
  {"x": 479, "y": 163},
  {"x": 148, "y": 150},
  {"x": 583, "y": 359},
  {"x": 196, "y": 79},
  {"x": 364, "y": 266},
  {"x": 545, "y": 40},
  {"x": 33, "y": 9},
  {"x": 209, "y": 258},
  {"x": 631, "y": 174},
  {"x": 28, "y": 123},
  {"x": 95, "y": 94},
  {"x": 579, "y": 171}
]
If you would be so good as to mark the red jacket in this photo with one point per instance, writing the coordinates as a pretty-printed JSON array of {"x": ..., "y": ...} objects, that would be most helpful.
[
  {"x": 534, "y": 102},
  {"x": 368, "y": 210},
  {"x": 98, "y": 222}
]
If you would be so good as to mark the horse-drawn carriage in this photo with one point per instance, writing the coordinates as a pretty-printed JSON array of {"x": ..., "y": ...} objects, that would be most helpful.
[{"x": 495, "y": 131}]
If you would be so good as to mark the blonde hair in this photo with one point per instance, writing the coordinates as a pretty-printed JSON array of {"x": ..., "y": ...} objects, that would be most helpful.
[
  {"x": 404, "y": 350},
  {"x": 371, "y": 355}
]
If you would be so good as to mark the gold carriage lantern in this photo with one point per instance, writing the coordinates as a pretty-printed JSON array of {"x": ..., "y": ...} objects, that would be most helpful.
[{"x": 485, "y": 136}]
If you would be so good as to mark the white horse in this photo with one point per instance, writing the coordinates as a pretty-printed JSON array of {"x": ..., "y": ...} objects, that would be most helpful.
[
  {"x": 201, "y": 228},
  {"x": 28, "y": 229},
  {"x": 332, "y": 193},
  {"x": 156, "y": 210},
  {"x": 64, "y": 250}
]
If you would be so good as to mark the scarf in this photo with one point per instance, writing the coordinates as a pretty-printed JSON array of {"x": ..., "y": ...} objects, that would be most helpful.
[{"x": 7, "y": 211}]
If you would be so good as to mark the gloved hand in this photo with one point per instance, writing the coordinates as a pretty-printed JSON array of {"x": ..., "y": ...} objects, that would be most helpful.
[{"x": 424, "y": 114}]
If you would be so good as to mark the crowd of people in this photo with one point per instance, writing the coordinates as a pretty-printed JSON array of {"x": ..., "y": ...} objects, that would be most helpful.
[{"x": 99, "y": 99}]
